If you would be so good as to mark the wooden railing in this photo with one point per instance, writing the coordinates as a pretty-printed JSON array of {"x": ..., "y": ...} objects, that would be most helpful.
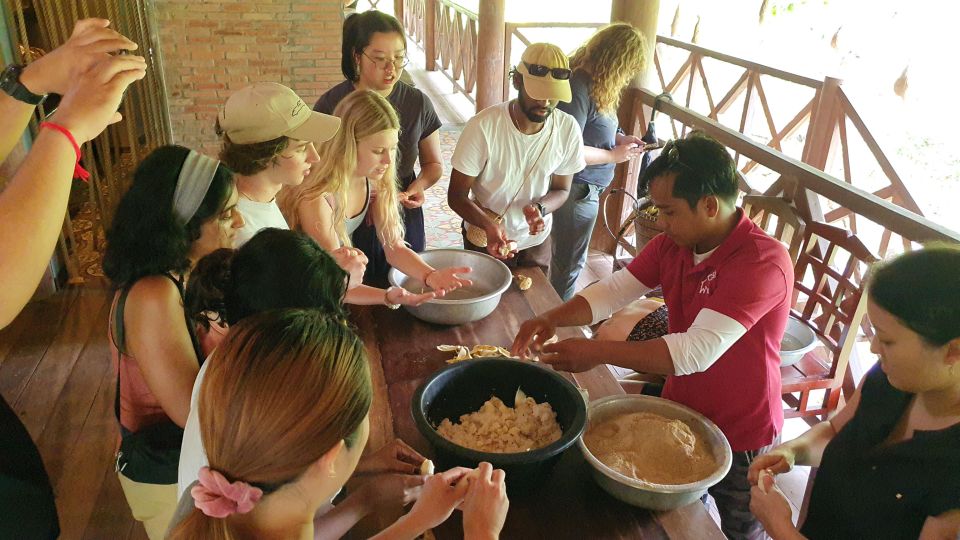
[
  {"x": 818, "y": 107},
  {"x": 802, "y": 182},
  {"x": 447, "y": 32}
]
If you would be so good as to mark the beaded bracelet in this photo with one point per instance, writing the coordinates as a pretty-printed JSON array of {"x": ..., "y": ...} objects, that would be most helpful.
[{"x": 78, "y": 171}]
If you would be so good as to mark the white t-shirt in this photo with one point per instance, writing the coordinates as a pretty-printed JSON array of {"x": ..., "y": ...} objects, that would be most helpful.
[
  {"x": 494, "y": 151},
  {"x": 192, "y": 455},
  {"x": 257, "y": 216}
]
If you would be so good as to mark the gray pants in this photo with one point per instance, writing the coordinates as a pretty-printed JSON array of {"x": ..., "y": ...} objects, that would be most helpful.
[
  {"x": 732, "y": 497},
  {"x": 572, "y": 226}
]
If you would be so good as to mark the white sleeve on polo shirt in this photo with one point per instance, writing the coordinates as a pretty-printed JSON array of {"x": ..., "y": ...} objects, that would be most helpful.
[
  {"x": 710, "y": 335},
  {"x": 612, "y": 293},
  {"x": 693, "y": 351}
]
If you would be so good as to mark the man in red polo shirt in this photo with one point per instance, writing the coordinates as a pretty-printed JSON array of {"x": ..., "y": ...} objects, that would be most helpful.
[{"x": 727, "y": 287}]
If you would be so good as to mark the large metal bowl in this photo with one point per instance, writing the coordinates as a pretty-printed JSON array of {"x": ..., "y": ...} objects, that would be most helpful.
[
  {"x": 798, "y": 340},
  {"x": 643, "y": 494},
  {"x": 490, "y": 278}
]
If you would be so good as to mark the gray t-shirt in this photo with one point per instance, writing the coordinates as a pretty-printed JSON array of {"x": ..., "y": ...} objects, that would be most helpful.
[
  {"x": 599, "y": 130},
  {"x": 418, "y": 120}
]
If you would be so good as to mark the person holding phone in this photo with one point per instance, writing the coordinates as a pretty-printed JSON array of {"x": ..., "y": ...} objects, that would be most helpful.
[
  {"x": 601, "y": 69},
  {"x": 32, "y": 204}
]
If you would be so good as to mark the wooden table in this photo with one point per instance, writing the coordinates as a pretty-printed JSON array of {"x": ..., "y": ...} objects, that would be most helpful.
[{"x": 403, "y": 353}]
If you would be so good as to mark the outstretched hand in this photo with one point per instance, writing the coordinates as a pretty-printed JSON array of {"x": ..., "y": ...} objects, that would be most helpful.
[
  {"x": 444, "y": 280},
  {"x": 531, "y": 337}
]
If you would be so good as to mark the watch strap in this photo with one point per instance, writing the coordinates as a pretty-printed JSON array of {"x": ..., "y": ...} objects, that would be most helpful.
[{"x": 11, "y": 85}]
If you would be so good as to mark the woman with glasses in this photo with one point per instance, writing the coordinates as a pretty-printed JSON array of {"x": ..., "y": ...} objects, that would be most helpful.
[
  {"x": 373, "y": 57},
  {"x": 601, "y": 68}
]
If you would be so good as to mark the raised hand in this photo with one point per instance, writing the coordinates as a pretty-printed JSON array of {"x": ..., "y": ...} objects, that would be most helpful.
[
  {"x": 91, "y": 43},
  {"x": 534, "y": 220},
  {"x": 91, "y": 101}
]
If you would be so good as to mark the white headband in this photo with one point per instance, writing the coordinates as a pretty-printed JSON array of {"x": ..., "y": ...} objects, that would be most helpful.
[{"x": 195, "y": 177}]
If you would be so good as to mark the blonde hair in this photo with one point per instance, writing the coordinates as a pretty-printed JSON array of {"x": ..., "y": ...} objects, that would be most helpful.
[
  {"x": 613, "y": 56},
  {"x": 284, "y": 388},
  {"x": 362, "y": 113}
]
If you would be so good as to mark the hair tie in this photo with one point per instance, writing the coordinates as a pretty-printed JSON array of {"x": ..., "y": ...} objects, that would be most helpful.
[
  {"x": 216, "y": 497},
  {"x": 194, "y": 180}
]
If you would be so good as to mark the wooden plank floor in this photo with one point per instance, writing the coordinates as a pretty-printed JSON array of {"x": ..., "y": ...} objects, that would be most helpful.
[{"x": 55, "y": 372}]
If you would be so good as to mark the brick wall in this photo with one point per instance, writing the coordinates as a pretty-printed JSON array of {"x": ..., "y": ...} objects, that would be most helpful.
[{"x": 211, "y": 48}]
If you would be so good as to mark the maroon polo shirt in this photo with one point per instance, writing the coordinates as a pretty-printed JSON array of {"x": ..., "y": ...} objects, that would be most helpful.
[{"x": 749, "y": 278}]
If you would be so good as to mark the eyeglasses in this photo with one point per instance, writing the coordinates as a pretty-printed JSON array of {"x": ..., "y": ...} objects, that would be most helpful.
[
  {"x": 399, "y": 62},
  {"x": 537, "y": 70}
]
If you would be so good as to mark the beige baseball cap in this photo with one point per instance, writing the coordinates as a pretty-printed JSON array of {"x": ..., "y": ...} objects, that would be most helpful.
[
  {"x": 546, "y": 86},
  {"x": 265, "y": 111}
]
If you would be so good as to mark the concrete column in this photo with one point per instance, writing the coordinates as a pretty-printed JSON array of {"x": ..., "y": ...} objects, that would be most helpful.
[{"x": 490, "y": 68}]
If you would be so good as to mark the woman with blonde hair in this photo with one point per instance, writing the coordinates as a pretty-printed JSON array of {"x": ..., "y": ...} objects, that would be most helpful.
[
  {"x": 284, "y": 417},
  {"x": 601, "y": 69},
  {"x": 356, "y": 179}
]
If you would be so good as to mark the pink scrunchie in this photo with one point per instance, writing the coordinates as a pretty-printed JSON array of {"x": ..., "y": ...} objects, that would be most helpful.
[{"x": 218, "y": 498}]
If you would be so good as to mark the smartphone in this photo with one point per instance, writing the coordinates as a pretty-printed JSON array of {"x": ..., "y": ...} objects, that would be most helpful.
[{"x": 653, "y": 146}]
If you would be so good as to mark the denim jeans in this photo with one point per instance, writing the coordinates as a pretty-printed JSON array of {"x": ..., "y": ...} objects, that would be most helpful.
[{"x": 572, "y": 226}]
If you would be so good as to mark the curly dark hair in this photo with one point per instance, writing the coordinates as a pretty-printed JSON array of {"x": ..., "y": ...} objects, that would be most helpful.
[
  {"x": 703, "y": 168},
  {"x": 357, "y": 31},
  {"x": 276, "y": 269},
  {"x": 145, "y": 237}
]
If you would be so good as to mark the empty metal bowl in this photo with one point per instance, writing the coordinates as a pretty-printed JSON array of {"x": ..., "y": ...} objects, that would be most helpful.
[
  {"x": 798, "y": 340},
  {"x": 643, "y": 494},
  {"x": 490, "y": 278},
  {"x": 463, "y": 388}
]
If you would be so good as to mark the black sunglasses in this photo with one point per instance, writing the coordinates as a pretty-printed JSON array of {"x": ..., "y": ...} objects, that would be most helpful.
[{"x": 537, "y": 70}]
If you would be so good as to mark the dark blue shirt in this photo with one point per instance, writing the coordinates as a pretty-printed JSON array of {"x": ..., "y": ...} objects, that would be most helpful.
[{"x": 599, "y": 130}]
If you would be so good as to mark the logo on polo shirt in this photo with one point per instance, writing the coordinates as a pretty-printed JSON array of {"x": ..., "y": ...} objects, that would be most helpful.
[{"x": 708, "y": 284}]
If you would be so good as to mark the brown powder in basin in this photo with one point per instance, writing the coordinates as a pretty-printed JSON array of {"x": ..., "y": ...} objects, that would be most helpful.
[{"x": 651, "y": 448}]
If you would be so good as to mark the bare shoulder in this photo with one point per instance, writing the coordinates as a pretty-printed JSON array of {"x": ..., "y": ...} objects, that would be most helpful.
[{"x": 152, "y": 293}]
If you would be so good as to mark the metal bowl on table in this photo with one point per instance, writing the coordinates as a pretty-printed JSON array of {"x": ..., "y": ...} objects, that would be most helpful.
[
  {"x": 643, "y": 494},
  {"x": 798, "y": 340},
  {"x": 464, "y": 387},
  {"x": 490, "y": 279}
]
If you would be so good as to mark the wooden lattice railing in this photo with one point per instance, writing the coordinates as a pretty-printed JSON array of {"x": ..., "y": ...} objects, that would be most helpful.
[
  {"x": 447, "y": 32},
  {"x": 820, "y": 110}
]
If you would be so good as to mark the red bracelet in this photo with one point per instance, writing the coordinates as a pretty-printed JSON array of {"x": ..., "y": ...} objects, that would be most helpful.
[{"x": 78, "y": 171}]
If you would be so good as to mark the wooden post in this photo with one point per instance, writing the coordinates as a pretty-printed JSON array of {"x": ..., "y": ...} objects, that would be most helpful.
[
  {"x": 821, "y": 140},
  {"x": 643, "y": 15},
  {"x": 398, "y": 10},
  {"x": 490, "y": 60},
  {"x": 430, "y": 34}
]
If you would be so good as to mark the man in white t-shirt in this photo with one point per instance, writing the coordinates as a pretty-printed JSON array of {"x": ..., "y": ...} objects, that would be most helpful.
[
  {"x": 518, "y": 160},
  {"x": 268, "y": 141}
]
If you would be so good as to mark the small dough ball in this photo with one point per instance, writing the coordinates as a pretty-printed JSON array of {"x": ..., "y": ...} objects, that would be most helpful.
[
  {"x": 524, "y": 282},
  {"x": 426, "y": 467}
]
